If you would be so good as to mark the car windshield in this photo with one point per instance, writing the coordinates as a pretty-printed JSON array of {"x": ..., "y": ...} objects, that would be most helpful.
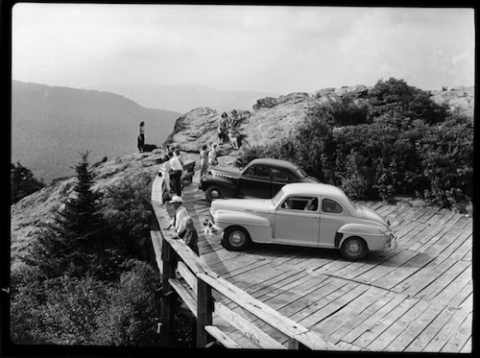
[{"x": 277, "y": 197}]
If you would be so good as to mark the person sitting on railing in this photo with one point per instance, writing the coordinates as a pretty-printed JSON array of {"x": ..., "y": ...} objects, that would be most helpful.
[
  {"x": 190, "y": 235},
  {"x": 178, "y": 221}
]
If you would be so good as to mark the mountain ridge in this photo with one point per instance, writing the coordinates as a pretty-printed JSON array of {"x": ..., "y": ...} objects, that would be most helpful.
[
  {"x": 185, "y": 97},
  {"x": 51, "y": 125}
]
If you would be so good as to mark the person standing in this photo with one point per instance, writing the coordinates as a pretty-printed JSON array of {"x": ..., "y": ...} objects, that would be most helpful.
[
  {"x": 212, "y": 155},
  {"x": 176, "y": 173},
  {"x": 203, "y": 160},
  {"x": 141, "y": 137}
]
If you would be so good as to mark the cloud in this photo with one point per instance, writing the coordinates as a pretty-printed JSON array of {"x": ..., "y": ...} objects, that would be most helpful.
[{"x": 279, "y": 49}]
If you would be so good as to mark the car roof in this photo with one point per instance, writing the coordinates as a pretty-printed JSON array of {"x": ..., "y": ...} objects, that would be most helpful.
[
  {"x": 313, "y": 189},
  {"x": 275, "y": 163}
]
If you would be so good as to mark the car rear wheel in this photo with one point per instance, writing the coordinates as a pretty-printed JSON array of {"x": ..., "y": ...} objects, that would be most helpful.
[
  {"x": 236, "y": 238},
  {"x": 354, "y": 248},
  {"x": 213, "y": 192}
]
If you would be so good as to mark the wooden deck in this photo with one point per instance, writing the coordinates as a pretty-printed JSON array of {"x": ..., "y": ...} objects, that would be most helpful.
[{"x": 415, "y": 298}]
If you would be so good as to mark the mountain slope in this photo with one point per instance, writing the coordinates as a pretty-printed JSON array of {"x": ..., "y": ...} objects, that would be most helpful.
[
  {"x": 51, "y": 125},
  {"x": 185, "y": 97}
]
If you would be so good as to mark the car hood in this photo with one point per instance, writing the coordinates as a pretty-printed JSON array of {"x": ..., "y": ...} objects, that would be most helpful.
[
  {"x": 369, "y": 214},
  {"x": 233, "y": 173},
  {"x": 252, "y": 205}
]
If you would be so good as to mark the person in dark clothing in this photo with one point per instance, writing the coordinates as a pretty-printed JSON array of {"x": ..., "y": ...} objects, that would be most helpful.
[
  {"x": 190, "y": 235},
  {"x": 141, "y": 137}
]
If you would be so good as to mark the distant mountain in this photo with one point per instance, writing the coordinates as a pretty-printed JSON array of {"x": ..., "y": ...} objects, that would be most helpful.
[
  {"x": 52, "y": 125},
  {"x": 185, "y": 97}
]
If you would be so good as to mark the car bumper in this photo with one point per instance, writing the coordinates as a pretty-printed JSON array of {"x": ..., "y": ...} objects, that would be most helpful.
[
  {"x": 210, "y": 228},
  {"x": 392, "y": 243}
]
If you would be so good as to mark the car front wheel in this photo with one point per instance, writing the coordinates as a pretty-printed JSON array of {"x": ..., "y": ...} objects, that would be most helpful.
[
  {"x": 213, "y": 192},
  {"x": 236, "y": 239},
  {"x": 354, "y": 248}
]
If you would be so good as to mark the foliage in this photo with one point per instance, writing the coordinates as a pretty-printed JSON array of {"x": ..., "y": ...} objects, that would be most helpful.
[
  {"x": 408, "y": 145},
  {"x": 127, "y": 210},
  {"x": 22, "y": 182},
  {"x": 74, "y": 241},
  {"x": 347, "y": 111},
  {"x": 396, "y": 97},
  {"x": 86, "y": 311}
]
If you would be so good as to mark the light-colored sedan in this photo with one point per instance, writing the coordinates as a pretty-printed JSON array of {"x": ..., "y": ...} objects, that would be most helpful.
[{"x": 313, "y": 215}]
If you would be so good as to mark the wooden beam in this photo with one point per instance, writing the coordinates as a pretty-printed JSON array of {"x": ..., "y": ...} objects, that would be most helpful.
[
  {"x": 267, "y": 314},
  {"x": 248, "y": 329},
  {"x": 204, "y": 312},
  {"x": 221, "y": 337},
  {"x": 184, "y": 295}
]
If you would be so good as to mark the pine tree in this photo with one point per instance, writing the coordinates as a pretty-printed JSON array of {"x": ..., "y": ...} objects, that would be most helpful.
[{"x": 73, "y": 243}]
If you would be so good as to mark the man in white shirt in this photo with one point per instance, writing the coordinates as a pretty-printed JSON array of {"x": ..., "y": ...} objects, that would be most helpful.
[
  {"x": 181, "y": 213},
  {"x": 176, "y": 174}
]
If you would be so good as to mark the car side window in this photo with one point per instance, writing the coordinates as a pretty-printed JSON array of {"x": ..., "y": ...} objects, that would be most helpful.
[
  {"x": 258, "y": 171},
  {"x": 331, "y": 206},
  {"x": 279, "y": 175},
  {"x": 300, "y": 203}
]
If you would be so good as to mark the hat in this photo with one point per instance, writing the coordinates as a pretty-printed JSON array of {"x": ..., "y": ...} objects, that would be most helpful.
[{"x": 176, "y": 199}]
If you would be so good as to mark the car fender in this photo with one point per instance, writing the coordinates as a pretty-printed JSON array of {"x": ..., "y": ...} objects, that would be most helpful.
[
  {"x": 220, "y": 182},
  {"x": 372, "y": 234},
  {"x": 259, "y": 227}
]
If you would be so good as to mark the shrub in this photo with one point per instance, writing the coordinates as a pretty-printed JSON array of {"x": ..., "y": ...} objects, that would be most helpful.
[
  {"x": 22, "y": 183},
  {"x": 346, "y": 111}
]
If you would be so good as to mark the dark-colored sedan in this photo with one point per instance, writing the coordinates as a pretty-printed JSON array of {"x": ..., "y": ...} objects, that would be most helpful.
[{"x": 261, "y": 178}]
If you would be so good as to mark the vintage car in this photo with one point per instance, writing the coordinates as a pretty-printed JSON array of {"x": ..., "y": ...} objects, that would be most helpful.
[
  {"x": 261, "y": 178},
  {"x": 313, "y": 215}
]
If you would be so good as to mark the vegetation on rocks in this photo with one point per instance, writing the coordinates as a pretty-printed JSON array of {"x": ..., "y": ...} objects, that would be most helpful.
[
  {"x": 87, "y": 279},
  {"x": 397, "y": 141}
]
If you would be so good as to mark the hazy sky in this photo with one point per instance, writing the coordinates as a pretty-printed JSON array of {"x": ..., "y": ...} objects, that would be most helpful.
[{"x": 280, "y": 49}]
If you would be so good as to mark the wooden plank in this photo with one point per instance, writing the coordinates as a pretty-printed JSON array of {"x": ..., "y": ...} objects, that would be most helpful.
[
  {"x": 266, "y": 313},
  {"x": 185, "y": 295},
  {"x": 426, "y": 336},
  {"x": 423, "y": 278},
  {"x": 447, "y": 331},
  {"x": 415, "y": 324},
  {"x": 462, "y": 294},
  {"x": 454, "y": 287},
  {"x": 389, "y": 314},
  {"x": 350, "y": 309},
  {"x": 441, "y": 282},
  {"x": 221, "y": 337},
  {"x": 204, "y": 311},
  {"x": 248, "y": 329},
  {"x": 187, "y": 275},
  {"x": 156, "y": 237},
  {"x": 389, "y": 335},
  {"x": 335, "y": 307},
  {"x": 404, "y": 271},
  {"x": 353, "y": 328},
  {"x": 391, "y": 264}
]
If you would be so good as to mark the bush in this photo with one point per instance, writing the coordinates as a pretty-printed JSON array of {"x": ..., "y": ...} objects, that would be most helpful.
[{"x": 22, "y": 183}]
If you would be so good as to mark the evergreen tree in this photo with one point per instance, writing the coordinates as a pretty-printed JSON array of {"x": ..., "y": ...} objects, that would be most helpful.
[
  {"x": 73, "y": 243},
  {"x": 22, "y": 182}
]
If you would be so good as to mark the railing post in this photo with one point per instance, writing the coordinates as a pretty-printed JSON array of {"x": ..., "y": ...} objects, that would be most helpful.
[
  {"x": 169, "y": 260},
  {"x": 204, "y": 314}
]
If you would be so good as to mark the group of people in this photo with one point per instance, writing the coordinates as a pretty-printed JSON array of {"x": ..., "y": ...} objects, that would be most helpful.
[
  {"x": 228, "y": 128},
  {"x": 172, "y": 168}
]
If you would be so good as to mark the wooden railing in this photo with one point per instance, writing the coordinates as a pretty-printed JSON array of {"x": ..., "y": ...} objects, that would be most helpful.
[{"x": 188, "y": 277}]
